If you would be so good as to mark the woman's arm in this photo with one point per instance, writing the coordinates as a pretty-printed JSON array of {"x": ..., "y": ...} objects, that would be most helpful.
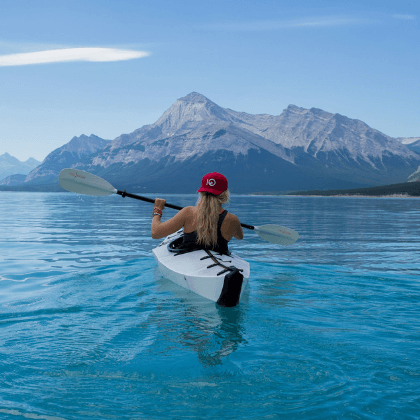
[
  {"x": 239, "y": 233},
  {"x": 162, "y": 229}
]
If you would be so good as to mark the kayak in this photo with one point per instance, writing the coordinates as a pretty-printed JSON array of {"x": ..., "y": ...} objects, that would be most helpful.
[{"x": 218, "y": 277}]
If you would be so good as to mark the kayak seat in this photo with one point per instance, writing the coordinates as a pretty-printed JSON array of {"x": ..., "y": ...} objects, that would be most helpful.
[
  {"x": 176, "y": 247},
  {"x": 173, "y": 245}
]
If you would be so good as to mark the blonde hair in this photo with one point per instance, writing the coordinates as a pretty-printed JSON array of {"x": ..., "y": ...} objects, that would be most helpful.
[{"x": 208, "y": 207}]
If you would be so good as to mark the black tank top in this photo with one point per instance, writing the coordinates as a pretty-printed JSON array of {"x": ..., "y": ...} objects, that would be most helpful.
[{"x": 190, "y": 239}]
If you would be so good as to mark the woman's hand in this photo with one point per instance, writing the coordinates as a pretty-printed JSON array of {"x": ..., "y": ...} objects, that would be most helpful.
[
  {"x": 161, "y": 229},
  {"x": 160, "y": 203}
]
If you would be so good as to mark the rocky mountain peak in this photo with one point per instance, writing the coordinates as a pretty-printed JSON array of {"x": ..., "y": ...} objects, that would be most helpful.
[
  {"x": 85, "y": 144},
  {"x": 32, "y": 161},
  {"x": 188, "y": 110},
  {"x": 67, "y": 155},
  {"x": 321, "y": 113},
  {"x": 292, "y": 107},
  {"x": 79, "y": 139},
  {"x": 9, "y": 165},
  {"x": 83, "y": 138},
  {"x": 195, "y": 98},
  {"x": 5, "y": 157},
  {"x": 8, "y": 159}
]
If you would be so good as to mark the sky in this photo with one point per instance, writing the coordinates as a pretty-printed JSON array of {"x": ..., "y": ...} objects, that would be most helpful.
[{"x": 106, "y": 67}]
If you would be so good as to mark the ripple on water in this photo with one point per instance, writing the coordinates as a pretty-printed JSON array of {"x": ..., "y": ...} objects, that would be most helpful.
[{"x": 327, "y": 328}]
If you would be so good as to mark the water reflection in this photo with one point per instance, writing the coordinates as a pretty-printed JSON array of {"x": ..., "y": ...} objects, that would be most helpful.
[
  {"x": 211, "y": 331},
  {"x": 220, "y": 333}
]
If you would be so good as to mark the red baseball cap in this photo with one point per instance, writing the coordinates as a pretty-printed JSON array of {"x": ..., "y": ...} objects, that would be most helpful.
[{"x": 214, "y": 183}]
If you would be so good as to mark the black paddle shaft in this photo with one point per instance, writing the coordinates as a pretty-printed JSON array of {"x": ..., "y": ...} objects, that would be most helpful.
[
  {"x": 171, "y": 206},
  {"x": 148, "y": 200}
]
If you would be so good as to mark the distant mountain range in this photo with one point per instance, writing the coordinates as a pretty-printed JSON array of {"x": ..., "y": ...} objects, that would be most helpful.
[
  {"x": 298, "y": 149},
  {"x": 44, "y": 176},
  {"x": 9, "y": 165}
]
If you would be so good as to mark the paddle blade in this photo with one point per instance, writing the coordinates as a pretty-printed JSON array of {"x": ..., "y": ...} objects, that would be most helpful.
[
  {"x": 277, "y": 234},
  {"x": 82, "y": 182}
]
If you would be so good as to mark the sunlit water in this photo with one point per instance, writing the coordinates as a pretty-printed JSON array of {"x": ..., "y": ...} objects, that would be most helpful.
[{"x": 329, "y": 328}]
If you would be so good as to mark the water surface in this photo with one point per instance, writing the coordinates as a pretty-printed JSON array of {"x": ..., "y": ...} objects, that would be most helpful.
[{"x": 329, "y": 328}]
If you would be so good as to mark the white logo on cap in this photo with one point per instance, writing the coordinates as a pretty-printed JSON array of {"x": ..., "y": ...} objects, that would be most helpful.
[{"x": 211, "y": 182}]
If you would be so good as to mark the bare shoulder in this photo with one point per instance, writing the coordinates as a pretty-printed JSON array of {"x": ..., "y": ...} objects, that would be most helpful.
[
  {"x": 231, "y": 227},
  {"x": 188, "y": 211},
  {"x": 189, "y": 218},
  {"x": 231, "y": 218}
]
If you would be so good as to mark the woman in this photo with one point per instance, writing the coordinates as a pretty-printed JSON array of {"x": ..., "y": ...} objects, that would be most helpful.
[{"x": 207, "y": 225}]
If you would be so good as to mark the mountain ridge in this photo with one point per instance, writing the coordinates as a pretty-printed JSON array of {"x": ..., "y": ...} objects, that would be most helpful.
[
  {"x": 297, "y": 149},
  {"x": 65, "y": 156},
  {"x": 10, "y": 165},
  {"x": 315, "y": 140}
]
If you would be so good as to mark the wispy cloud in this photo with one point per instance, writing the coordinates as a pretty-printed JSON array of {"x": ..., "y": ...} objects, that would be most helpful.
[
  {"x": 270, "y": 25},
  {"x": 404, "y": 17},
  {"x": 70, "y": 54}
]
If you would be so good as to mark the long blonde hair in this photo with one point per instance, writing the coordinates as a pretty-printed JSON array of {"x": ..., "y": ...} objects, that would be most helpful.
[{"x": 208, "y": 207}]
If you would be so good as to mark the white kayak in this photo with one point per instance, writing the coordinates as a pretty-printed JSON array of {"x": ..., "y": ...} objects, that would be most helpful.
[{"x": 218, "y": 277}]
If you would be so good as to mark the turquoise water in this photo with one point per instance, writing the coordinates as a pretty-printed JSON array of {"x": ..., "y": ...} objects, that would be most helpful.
[{"x": 329, "y": 328}]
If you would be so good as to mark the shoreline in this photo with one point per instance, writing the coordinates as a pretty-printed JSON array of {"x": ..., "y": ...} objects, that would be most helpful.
[{"x": 355, "y": 196}]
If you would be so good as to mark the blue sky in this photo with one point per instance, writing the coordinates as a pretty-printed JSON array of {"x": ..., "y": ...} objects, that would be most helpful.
[{"x": 357, "y": 58}]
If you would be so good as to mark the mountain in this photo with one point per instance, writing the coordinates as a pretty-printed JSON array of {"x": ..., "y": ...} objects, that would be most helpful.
[
  {"x": 9, "y": 165},
  {"x": 328, "y": 136},
  {"x": 413, "y": 143},
  {"x": 13, "y": 180},
  {"x": 415, "y": 176},
  {"x": 408, "y": 140},
  {"x": 406, "y": 189},
  {"x": 77, "y": 149},
  {"x": 296, "y": 150},
  {"x": 300, "y": 148}
]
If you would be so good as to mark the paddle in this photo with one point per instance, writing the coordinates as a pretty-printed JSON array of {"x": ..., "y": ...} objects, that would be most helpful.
[{"x": 85, "y": 183}]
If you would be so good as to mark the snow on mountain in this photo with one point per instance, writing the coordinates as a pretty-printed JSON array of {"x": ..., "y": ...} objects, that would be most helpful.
[
  {"x": 298, "y": 149},
  {"x": 185, "y": 145},
  {"x": 408, "y": 140},
  {"x": 415, "y": 176},
  {"x": 9, "y": 165},
  {"x": 413, "y": 143},
  {"x": 191, "y": 127},
  {"x": 186, "y": 112},
  {"x": 194, "y": 126},
  {"x": 315, "y": 132}
]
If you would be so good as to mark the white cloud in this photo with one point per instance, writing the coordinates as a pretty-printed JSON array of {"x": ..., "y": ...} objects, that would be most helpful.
[
  {"x": 70, "y": 54},
  {"x": 267, "y": 25},
  {"x": 404, "y": 17}
]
